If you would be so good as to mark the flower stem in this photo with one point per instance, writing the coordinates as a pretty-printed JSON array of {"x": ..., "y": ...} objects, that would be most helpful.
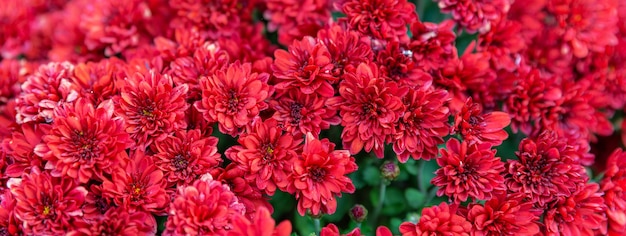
[
  {"x": 379, "y": 205},
  {"x": 318, "y": 226}
]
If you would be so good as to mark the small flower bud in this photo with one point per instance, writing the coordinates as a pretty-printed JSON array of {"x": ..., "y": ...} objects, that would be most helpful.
[
  {"x": 358, "y": 213},
  {"x": 389, "y": 170}
]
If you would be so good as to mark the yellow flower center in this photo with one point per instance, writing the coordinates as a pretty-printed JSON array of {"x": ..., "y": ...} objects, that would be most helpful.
[{"x": 46, "y": 210}]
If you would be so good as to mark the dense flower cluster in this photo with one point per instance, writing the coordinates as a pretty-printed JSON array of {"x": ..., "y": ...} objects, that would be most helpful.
[{"x": 211, "y": 117}]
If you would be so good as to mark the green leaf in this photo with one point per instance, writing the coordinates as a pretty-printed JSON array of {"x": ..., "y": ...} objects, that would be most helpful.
[
  {"x": 394, "y": 202},
  {"x": 414, "y": 197},
  {"x": 410, "y": 167},
  {"x": 371, "y": 175},
  {"x": 344, "y": 203},
  {"x": 428, "y": 173},
  {"x": 303, "y": 224}
]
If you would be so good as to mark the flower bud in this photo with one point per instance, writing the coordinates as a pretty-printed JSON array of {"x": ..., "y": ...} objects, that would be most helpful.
[
  {"x": 358, "y": 213},
  {"x": 389, "y": 170}
]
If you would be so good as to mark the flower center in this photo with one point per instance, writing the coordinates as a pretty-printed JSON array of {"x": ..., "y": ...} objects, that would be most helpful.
[
  {"x": 233, "y": 101},
  {"x": 85, "y": 146},
  {"x": 473, "y": 120},
  {"x": 317, "y": 174},
  {"x": 46, "y": 210},
  {"x": 268, "y": 152},
  {"x": 296, "y": 113},
  {"x": 180, "y": 162}
]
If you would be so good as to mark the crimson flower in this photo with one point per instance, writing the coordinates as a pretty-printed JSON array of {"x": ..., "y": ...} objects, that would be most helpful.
[
  {"x": 613, "y": 185},
  {"x": 438, "y": 220},
  {"x": 468, "y": 170},
  {"x": 206, "y": 60},
  {"x": 369, "y": 108},
  {"x": 474, "y": 126},
  {"x": 503, "y": 215},
  {"x": 9, "y": 224},
  {"x": 261, "y": 224},
  {"x": 423, "y": 125},
  {"x": 320, "y": 175},
  {"x": 347, "y": 48},
  {"x": 47, "y": 205},
  {"x": 381, "y": 19},
  {"x": 233, "y": 97},
  {"x": 186, "y": 156},
  {"x": 475, "y": 15},
  {"x": 19, "y": 149},
  {"x": 96, "y": 203},
  {"x": 545, "y": 169},
  {"x": 333, "y": 230},
  {"x": 151, "y": 107},
  {"x": 266, "y": 154},
  {"x": 85, "y": 142},
  {"x": 119, "y": 221},
  {"x": 432, "y": 44},
  {"x": 396, "y": 63},
  {"x": 299, "y": 113},
  {"x": 295, "y": 19},
  {"x": 306, "y": 66},
  {"x": 139, "y": 186},
  {"x": 204, "y": 207},
  {"x": 582, "y": 213},
  {"x": 248, "y": 194}
]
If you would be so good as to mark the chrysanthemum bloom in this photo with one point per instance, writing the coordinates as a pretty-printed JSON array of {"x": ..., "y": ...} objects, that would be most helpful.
[
  {"x": 9, "y": 224},
  {"x": 614, "y": 186},
  {"x": 475, "y": 15},
  {"x": 320, "y": 175},
  {"x": 438, "y": 220},
  {"x": 247, "y": 193},
  {"x": 205, "y": 207},
  {"x": 468, "y": 171},
  {"x": 151, "y": 107},
  {"x": 369, "y": 107},
  {"x": 266, "y": 154},
  {"x": 295, "y": 19},
  {"x": 85, "y": 142},
  {"x": 474, "y": 126},
  {"x": 299, "y": 113},
  {"x": 529, "y": 97},
  {"x": 545, "y": 169},
  {"x": 306, "y": 66},
  {"x": 118, "y": 221},
  {"x": 214, "y": 18},
  {"x": 47, "y": 205},
  {"x": 423, "y": 125},
  {"x": 12, "y": 72},
  {"x": 582, "y": 213},
  {"x": 186, "y": 156},
  {"x": 44, "y": 90},
  {"x": 503, "y": 215},
  {"x": 96, "y": 204},
  {"x": 183, "y": 43},
  {"x": 333, "y": 230},
  {"x": 138, "y": 187},
  {"x": 19, "y": 149},
  {"x": 383, "y": 231},
  {"x": 502, "y": 44},
  {"x": 97, "y": 80},
  {"x": 206, "y": 60},
  {"x": 432, "y": 44},
  {"x": 113, "y": 26},
  {"x": 396, "y": 63},
  {"x": 347, "y": 48},
  {"x": 233, "y": 97},
  {"x": 381, "y": 19},
  {"x": 262, "y": 224}
]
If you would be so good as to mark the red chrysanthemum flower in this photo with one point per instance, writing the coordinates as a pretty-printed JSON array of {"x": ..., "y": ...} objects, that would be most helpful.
[
  {"x": 12, "y": 72},
  {"x": 474, "y": 126},
  {"x": 613, "y": 185},
  {"x": 206, "y": 60},
  {"x": 502, "y": 44},
  {"x": 347, "y": 48},
  {"x": 503, "y": 215},
  {"x": 214, "y": 18},
  {"x": 151, "y": 107},
  {"x": 20, "y": 149},
  {"x": 396, "y": 63},
  {"x": 47, "y": 205},
  {"x": 118, "y": 221},
  {"x": 262, "y": 224},
  {"x": 205, "y": 207},
  {"x": 582, "y": 213},
  {"x": 369, "y": 108},
  {"x": 299, "y": 113},
  {"x": 186, "y": 156},
  {"x": 381, "y": 19},
  {"x": 423, "y": 125},
  {"x": 306, "y": 66},
  {"x": 320, "y": 175},
  {"x": 233, "y": 97},
  {"x": 266, "y": 154},
  {"x": 295, "y": 19},
  {"x": 9, "y": 224},
  {"x": 97, "y": 80},
  {"x": 438, "y": 220},
  {"x": 475, "y": 15},
  {"x": 468, "y": 171},
  {"x": 139, "y": 186},
  {"x": 49, "y": 86},
  {"x": 85, "y": 143},
  {"x": 432, "y": 44},
  {"x": 545, "y": 169},
  {"x": 96, "y": 203},
  {"x": 333, "y": 230},
  {"x": 248, "y": 194}
]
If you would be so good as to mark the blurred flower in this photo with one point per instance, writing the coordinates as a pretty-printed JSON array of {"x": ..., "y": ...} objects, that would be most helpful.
[
  {"x": 432, "y": 44},
  {"x": 119, "y": 221},
  {"x": 475, "y": 15},
  {"x": 389, "y": 170},
  {"x": 613, "y": 185},
  {"x": 333, "y": 230},
  {"x": 358, "y": 213},
  {"x": 438, "y": 220},
  {"x": 503, "y": 215},
  {"x": 261, "y": 224},
  {"x": 381, "y": 19},
  {"x": 247, "y": 194}
]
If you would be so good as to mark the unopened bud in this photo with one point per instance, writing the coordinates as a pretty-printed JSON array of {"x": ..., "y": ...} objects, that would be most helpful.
[
  {"x": 358, "y": 213},
  {"x": 389, "y": 170}
]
